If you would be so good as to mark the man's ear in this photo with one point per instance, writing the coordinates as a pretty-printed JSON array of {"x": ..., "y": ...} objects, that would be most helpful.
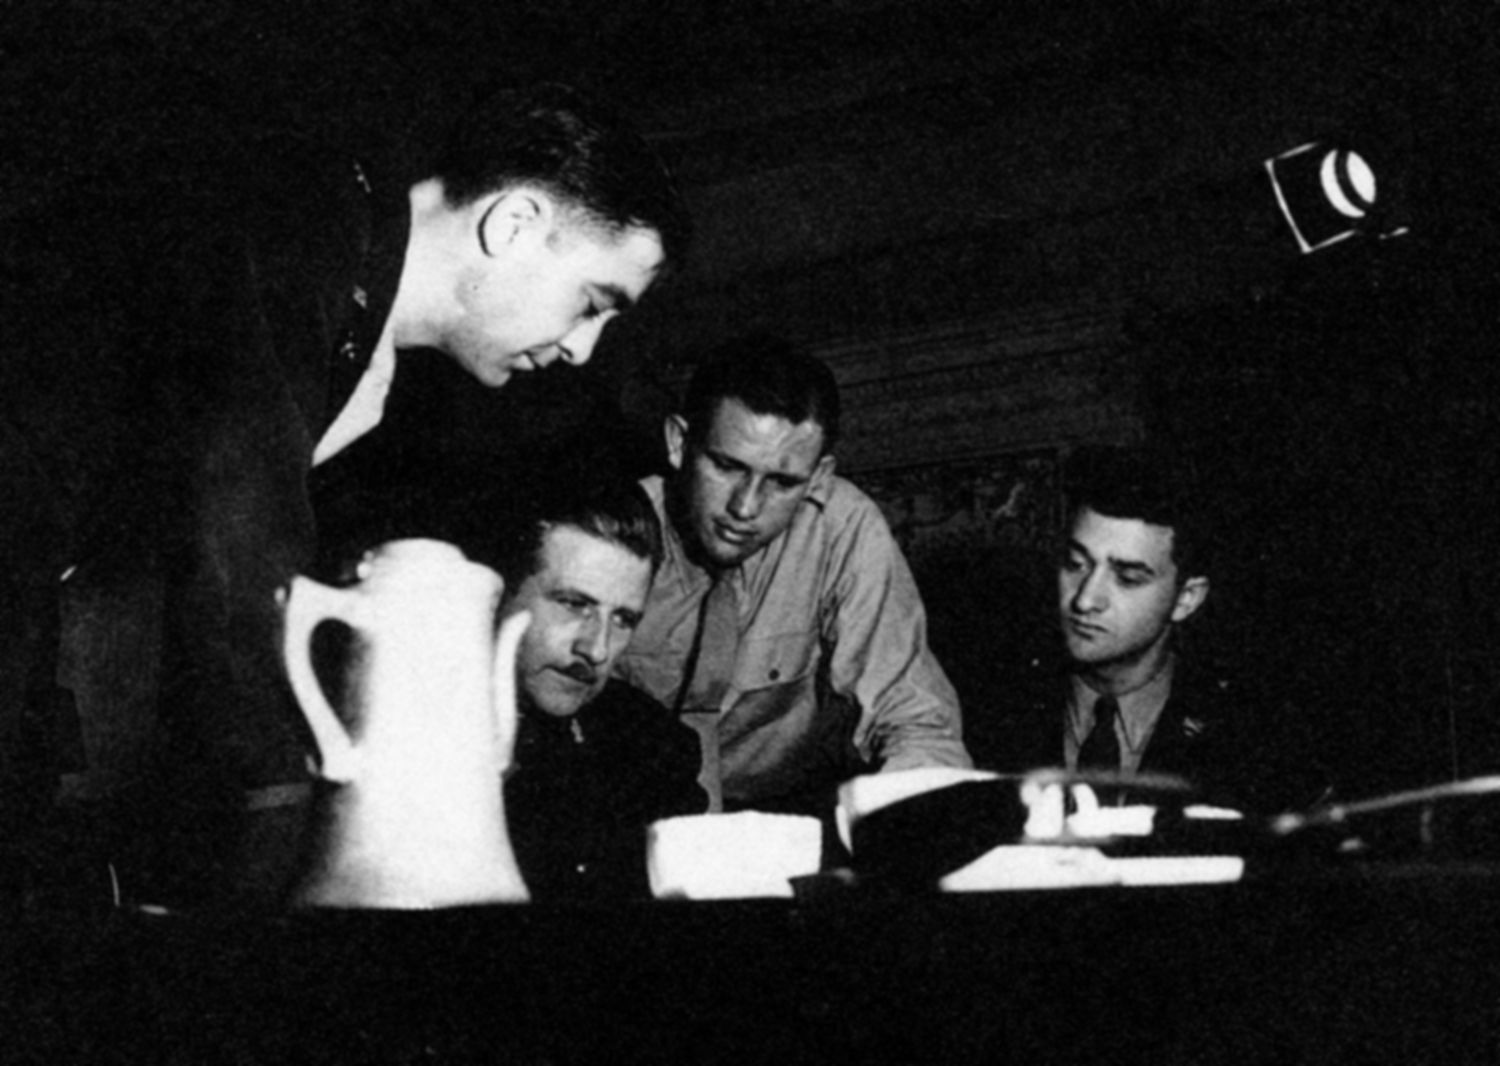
[
  {"x": 675, "y": 430},
  {"x": 1189, "y": 598},
  {"x": 513, "y": 214}
]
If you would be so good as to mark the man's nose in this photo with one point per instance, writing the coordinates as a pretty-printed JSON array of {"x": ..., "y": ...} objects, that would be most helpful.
[
  {"x": 1089, "y": 596},
  {"x": 745, "y": 502},
  {"x": 578, "y": 346},
  {"x": 592, "y": 642}
]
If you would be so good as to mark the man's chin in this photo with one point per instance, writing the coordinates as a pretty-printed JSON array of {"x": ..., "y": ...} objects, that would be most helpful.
[
  {"x": 727, "y": 560},
  {"x": 1086, "y": 654},
  {"x": 725, "y": 553},
  {"x": 555, "y": 705},
  {"x": 493, "y": 377}
]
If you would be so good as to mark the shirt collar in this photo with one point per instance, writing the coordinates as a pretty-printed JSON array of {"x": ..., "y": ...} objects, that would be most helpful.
[
  {"x": 819, "y": 493},
  {"x": 1139, "y": 708},
  {"x": 676, "y": 564}
]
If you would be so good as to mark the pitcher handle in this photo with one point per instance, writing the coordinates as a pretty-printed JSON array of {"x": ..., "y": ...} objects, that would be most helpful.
[
  {"x": 503, "y": 684},
  {"x": 307, "y": 604}
]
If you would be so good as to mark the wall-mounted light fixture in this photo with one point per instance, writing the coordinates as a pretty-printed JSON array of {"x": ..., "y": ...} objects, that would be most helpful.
[{"x": 1328, "y": 194}]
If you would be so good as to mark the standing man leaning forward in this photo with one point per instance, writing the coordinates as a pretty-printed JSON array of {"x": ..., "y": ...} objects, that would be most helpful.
[
  {"x": 596, "y": 761},
  {"x": 784, "y": 607},
  {"x": 190, "y": 336}
]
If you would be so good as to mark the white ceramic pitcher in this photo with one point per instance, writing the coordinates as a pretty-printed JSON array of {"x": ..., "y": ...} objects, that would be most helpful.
[{"x": 417, "y": 819}]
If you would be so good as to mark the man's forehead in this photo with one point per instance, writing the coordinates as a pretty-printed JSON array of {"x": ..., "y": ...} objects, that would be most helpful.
[
  {"x": 565, "y": 545},
  {"x": 575, "y": 558},
  {"x": 623, "y": 264},
  {"x": 1123, "y": 540},
  {"x": 735, "y": 429}
]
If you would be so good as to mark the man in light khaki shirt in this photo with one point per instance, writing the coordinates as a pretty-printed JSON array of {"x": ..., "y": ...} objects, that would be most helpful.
[{"x": 784, "y": 607}]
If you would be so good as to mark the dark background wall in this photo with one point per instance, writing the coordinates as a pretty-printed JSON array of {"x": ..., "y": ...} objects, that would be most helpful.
[{"x": 1012, "y": 229}]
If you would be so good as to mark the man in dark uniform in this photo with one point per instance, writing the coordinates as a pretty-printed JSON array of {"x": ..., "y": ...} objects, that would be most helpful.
[
  {"x": 192, "y": 332},
  {"x": 596, "y": 761},
  {"x": 1133, "y": 570}
]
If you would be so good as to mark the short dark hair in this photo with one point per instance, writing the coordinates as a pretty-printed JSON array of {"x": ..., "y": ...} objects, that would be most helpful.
[
  {"x": 619, "y": 513},
  {"x": 575, "y": 147},
  {"x": 1148, "y": 483},
  {"x": 768, "y": 375}
]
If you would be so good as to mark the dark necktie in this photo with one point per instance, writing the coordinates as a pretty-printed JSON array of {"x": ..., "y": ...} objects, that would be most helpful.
[
  {"x": 705, "y": 677},
  {"x": 1101, "y": 750},
  {"x": 710, "y": 663}
]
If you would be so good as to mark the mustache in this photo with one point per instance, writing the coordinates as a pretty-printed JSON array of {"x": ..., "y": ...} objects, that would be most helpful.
[{"x": 580, "y": 672}]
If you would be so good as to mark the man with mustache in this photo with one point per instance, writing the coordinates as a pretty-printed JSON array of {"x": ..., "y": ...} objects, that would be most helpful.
[
  {"x": 192, "y": 333},
  {"x": 596, "y": 761},
  {"x": 785, "y": 617}
]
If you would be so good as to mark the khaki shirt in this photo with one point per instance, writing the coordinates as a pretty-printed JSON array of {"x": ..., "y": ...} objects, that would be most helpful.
[{"x": 832, "y": 676}]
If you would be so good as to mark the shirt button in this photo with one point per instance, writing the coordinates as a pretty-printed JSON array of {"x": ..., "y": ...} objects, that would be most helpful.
[{"x": 775, "y": 675}]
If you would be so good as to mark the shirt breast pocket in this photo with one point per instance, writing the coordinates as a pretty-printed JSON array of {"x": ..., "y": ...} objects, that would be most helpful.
[{"x": 780, "y": 660}]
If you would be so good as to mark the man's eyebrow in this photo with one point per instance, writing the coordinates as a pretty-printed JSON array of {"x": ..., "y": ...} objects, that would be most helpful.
[
  {"x": 569, "y": 592},
  {"x": 618, "y": 298},
  {"x": 724, "y": 459},
  {"x": 1134, "y": 566}
]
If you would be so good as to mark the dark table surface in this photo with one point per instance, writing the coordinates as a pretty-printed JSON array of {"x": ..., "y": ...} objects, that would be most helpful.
[{"x": 1371, "y": 962}]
